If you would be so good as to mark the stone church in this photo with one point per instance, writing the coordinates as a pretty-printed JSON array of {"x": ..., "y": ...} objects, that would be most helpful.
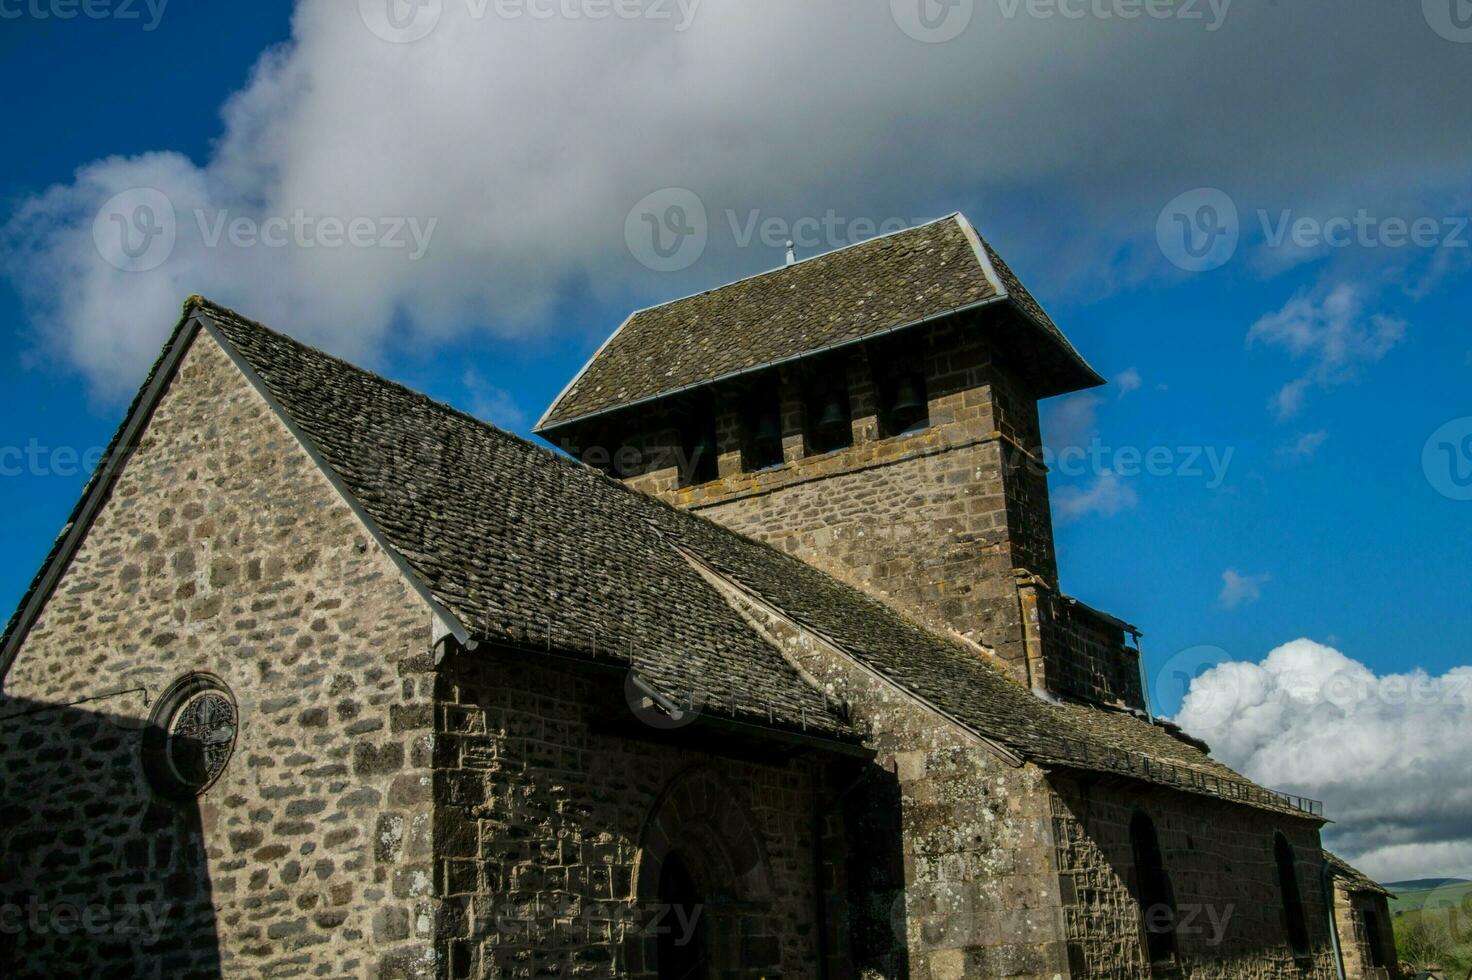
[{"x": 775, "y": 679}]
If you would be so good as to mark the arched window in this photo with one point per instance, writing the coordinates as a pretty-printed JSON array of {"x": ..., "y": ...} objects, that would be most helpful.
[
  {"x": 1292, "y": 900},
  {"x": 1152, "y": 891}
]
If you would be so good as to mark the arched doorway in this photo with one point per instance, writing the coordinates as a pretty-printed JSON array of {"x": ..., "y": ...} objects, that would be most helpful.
[
  {"x": 703, "y": 887},
  {"x": 1153, "y": 892},
  {"x": 681, "y": 951}
]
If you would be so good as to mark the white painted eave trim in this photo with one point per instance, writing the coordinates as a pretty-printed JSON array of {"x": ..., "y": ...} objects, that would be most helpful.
[{"x": 579, "y": 376}]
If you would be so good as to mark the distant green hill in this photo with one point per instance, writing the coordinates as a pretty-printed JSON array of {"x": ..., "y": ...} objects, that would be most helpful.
[
  {"x": 1421, "y": 884},
  {"x": 1431, "y": 893}
]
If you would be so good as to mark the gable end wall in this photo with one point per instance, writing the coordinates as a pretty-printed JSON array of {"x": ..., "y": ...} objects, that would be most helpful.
[{"x": 223, "y": 548}]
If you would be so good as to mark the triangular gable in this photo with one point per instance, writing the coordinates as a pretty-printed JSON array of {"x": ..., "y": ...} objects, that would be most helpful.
[{"x": 95, "y": 495}]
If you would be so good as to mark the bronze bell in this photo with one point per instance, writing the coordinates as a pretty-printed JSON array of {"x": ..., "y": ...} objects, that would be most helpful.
[
  {"x": 768, "y": 437},
  {"x": 834, "y": 419},
  {"x": 909, "y": 408},
  {"x": 907, "y": 399}
]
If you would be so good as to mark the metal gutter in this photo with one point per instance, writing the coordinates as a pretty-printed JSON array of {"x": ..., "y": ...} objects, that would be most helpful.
[{"x": 1326, "y": 880}]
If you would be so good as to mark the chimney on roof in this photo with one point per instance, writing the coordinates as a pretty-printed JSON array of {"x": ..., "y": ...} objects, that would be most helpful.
[{"x": 791, "y": 252}]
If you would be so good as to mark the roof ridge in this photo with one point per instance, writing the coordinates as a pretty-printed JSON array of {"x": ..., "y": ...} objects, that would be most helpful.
[{"x": 783, "y": 268}]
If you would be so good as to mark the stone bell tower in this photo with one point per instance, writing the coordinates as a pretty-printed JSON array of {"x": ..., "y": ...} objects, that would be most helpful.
[{"x": 873, "y": 411}]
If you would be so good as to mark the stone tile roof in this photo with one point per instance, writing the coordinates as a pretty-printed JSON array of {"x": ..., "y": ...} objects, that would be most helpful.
[
  {"x": 527, "y": 547},
  {"x": 857, "y": 292},
  {"x": 523, "y": 546},
  {"x": 1354, "y": 879},
  {"x": 957, "y": 680}
]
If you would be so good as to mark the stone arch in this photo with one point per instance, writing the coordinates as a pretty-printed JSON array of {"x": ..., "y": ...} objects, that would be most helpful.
[{"x": 701, "y": 826}]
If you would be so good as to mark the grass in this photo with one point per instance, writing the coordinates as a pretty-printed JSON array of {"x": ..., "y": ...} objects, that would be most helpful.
[{"x": 1433, "y": 928}]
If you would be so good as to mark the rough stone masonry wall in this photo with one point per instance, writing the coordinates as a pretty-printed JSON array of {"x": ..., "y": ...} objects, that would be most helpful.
[
  {"x": 1219, "y": 857},
  {"x": 224, "y": 549},
  {"x": 941, "y": 521},
  {"x": 1356, "y": 914},
  {"x": 975, "y": 893},
  {"x": 543, "y": 819}
]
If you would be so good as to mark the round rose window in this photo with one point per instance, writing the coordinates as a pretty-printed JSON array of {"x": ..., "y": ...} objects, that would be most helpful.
[{"x": 191, "y": 736}]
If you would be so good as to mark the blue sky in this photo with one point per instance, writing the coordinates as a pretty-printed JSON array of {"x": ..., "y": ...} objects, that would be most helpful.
[{"x": 1319, "y": 373}]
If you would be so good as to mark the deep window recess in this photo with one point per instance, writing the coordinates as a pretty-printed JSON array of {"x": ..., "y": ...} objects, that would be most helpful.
[
  {"x": 698, "y": 454},
  {"x": 1378, "y": 956},
  {"x": 1292, "y": 900},
  {"x": 762, "y": 418},
  {"x": 902, "y": 403},
  {"x": 830, "y": 422},
  {"x": 1153, "y": 892}
]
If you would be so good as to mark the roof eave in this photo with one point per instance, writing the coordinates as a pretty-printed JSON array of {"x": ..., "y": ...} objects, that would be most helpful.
[{"x": 1086, "y": 377}]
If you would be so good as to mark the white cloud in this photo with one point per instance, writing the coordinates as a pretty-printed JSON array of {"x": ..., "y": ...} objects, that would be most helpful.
[
  {"x": 492, "y": 404},
  {"x": 1127, "y": 381},
  {"x": 1106, "y": 496},
  {"x": 530, "y": 139},
  {"x": 1071, "y": 422},
  {"x": 1238, "y": 589},
  {"x": 1386, "y": 753},
  {"x": 1333, "y": 333},
  {"x": 1304, "y": 447}
]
